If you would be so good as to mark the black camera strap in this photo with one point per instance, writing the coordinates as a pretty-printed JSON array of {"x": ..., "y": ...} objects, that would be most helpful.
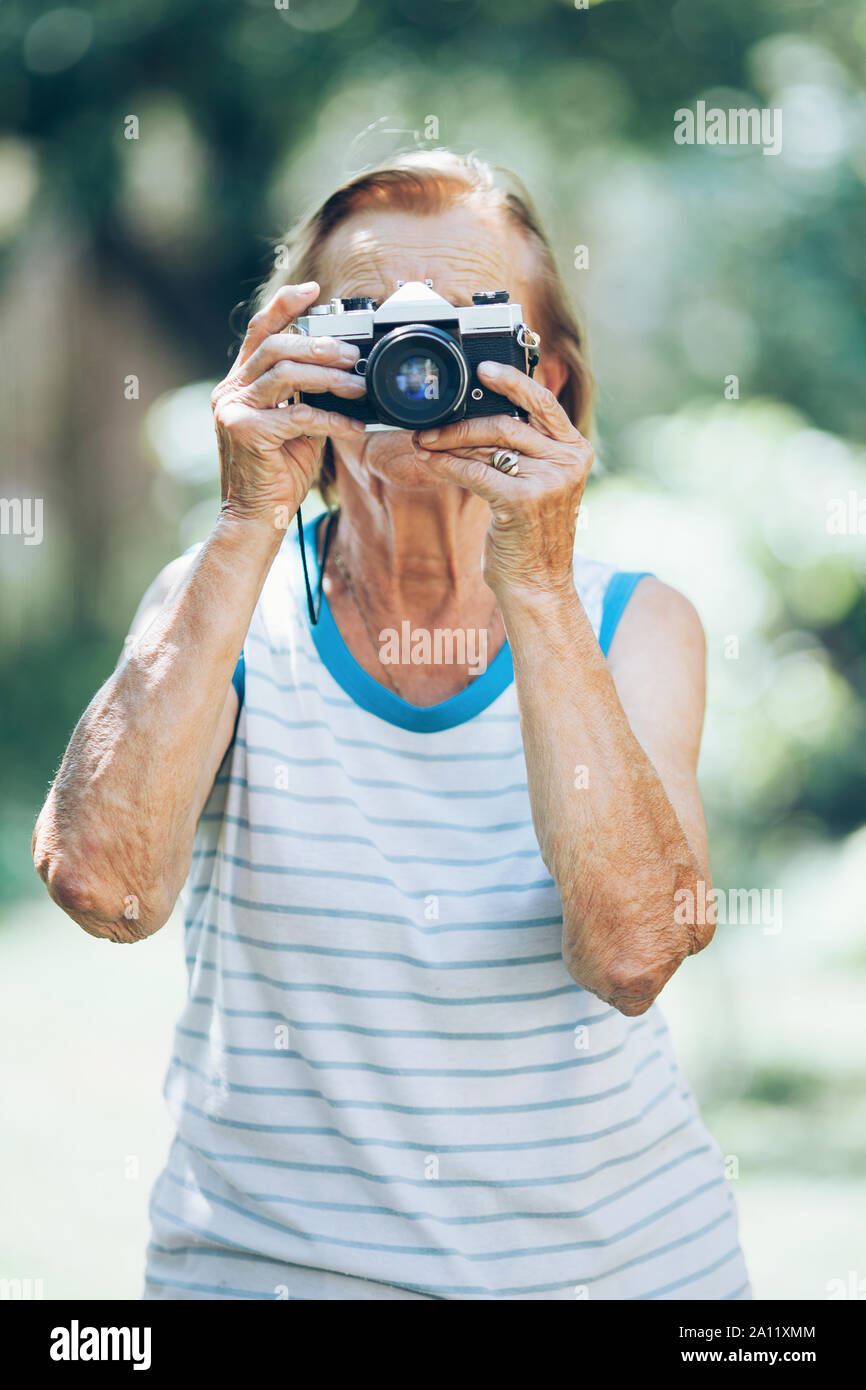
[{"x": 315, "y": 608}]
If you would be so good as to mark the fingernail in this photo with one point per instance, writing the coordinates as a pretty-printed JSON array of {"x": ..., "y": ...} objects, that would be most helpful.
[
  {"x": 350, "y": 353},
  {"x": 429, "y": 436},
  {"x": 423, "y": 455},
  {"x": 492, "y": 368},
  {"x": 308, "y": 286}
]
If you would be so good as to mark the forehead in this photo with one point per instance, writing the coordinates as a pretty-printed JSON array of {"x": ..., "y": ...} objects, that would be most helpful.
[{"x": 461, "y": 250}]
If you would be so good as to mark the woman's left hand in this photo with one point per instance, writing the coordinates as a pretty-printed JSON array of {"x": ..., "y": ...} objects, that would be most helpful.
[{"x": 530, "y": 543}]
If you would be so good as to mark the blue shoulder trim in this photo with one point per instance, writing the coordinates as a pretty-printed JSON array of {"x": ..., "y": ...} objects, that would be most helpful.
[
  {"x": 239, "y": 678},
  {"x": 239, "y": 683},
  {"x": 618, "y": 592}
]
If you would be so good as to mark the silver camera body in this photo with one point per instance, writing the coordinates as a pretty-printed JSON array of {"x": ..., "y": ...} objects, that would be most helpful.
[{"x": 419, "y": 354}]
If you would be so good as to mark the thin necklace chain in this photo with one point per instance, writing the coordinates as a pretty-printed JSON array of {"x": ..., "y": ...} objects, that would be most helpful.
[{"x": 347, "y": 580}]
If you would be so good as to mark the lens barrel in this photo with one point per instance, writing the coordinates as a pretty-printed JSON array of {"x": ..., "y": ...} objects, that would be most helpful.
[{"x": 417, "y": 377}]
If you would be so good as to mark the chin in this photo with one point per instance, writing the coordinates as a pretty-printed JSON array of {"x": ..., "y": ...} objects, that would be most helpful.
[{"x": 389, "y": 455}]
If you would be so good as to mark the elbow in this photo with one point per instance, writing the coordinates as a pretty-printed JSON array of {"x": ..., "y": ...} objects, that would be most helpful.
[
  {"x": 626, "y": 951},
  {"x": 623, "y": 974},
  {"x": 64, "y": 887},
  {"x": 696, "y": 911},
  {"x": 67, "y": 886},
  {"x": 71, "y": 890},
  {"x": 99, "y": 910},
  {"x": 627, "y": 981},
  {"x": 632, "y": 985}
]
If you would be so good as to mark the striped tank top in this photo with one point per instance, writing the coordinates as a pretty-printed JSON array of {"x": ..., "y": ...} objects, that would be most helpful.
[{"x": 385, "y": 1084}]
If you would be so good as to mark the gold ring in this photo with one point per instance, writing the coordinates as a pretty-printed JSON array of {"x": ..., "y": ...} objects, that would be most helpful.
[{"x": 506, "y": 460}]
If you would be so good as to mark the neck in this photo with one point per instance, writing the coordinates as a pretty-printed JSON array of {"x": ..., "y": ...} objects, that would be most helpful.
[
  {"x": 414, "y": 553},
  {"x": 412, "y": 558}
]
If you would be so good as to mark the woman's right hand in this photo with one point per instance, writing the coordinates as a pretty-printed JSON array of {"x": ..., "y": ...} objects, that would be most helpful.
[{"x": 269, "y": 451}]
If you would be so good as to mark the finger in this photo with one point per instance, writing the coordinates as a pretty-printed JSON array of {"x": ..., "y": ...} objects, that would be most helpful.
[
  {"x": 489, "y": 431},
  {"x": 286, "y": 304},
  {"x": 282, "y": 423},
  {"x": 544, "y": 409},
  {"x": 285, "y": 378},
  {"x": 309, "y": 420},
  {"x": 475, "y": 475},
  {"x": 297, "y": 347},
  {"x": 546, "y": 468}
]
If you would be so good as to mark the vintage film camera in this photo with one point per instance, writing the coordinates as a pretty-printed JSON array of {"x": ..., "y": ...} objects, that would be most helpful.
[{"x": 419, "y": 355}]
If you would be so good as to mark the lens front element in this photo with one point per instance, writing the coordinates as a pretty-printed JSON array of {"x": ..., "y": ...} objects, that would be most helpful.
[
  {"x": 416, "y": 376},
  {"x": 418, "y": 379}
]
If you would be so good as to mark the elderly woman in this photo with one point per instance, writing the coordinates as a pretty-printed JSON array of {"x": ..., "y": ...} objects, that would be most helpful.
[{"x": 429, "y": 906}]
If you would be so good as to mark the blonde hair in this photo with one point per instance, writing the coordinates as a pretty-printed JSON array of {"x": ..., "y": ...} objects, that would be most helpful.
[{"x": 427, "y": 182}]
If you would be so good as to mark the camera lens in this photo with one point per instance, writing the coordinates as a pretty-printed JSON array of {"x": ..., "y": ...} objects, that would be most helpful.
[
  {"x": 416, "y": 376},
  {"x": 418, "y": 379}
]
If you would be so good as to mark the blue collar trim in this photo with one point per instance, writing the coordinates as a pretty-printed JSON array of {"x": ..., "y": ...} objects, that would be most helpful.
[{"x": 376, "y": 698}]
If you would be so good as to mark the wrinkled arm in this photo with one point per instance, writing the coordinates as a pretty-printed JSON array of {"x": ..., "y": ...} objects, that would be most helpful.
[
  {"x": 611, "y": 751},
  {"x": 113, "y": 842}
]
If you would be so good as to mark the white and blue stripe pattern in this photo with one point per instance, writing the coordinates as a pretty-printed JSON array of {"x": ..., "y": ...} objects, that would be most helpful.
[{"x": 385, "y": 1083}]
